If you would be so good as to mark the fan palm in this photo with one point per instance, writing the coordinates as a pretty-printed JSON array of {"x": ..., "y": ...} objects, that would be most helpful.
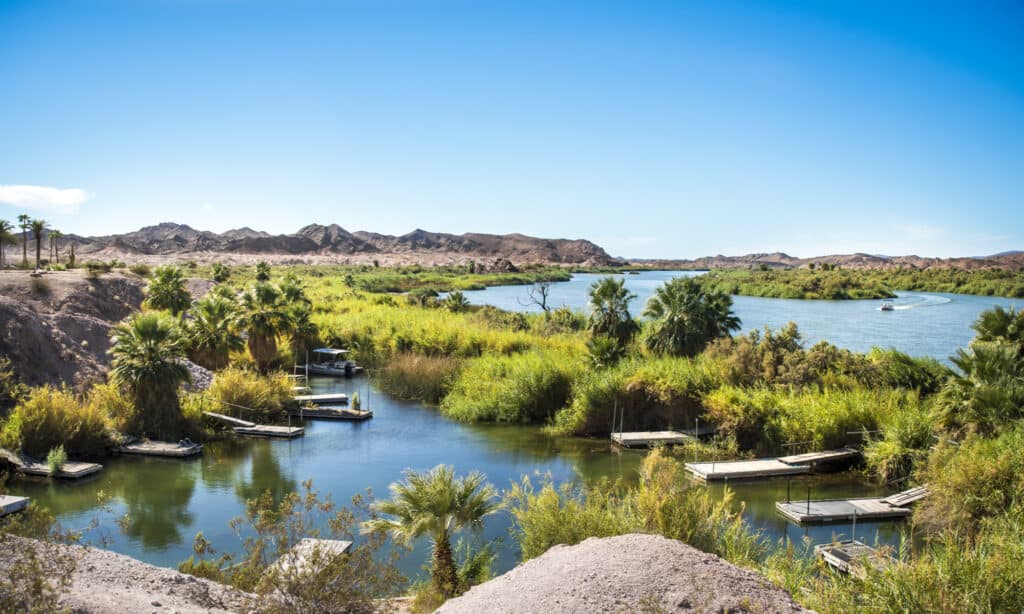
[
  {"x": 24, "y": 222},
  {"x": 264, "y": 315},
  {"x": 211, "y": 332},
  {"x": 147, "y": 350},
  {"x": 685, "y": 317},
  {"x": 456, "y": 302},
  {"x": 987, "y": 393},
  {"x": 7, "y": 237},
  {"x": 1001, "y": 326},
  {"x": 609, "y": 310},
  {"x": 55, "y": 237},
  {"x": 303, "y": 333},
  {"x": 167, "y": 290},
  {"x": 38, "y": 227},
  {"x": 262, "y": 271},
  {"x": 438, "y": 505}
]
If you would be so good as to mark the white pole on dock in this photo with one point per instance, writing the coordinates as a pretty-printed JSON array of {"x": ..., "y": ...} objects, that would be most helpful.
[{"x": 853, "y": 531}]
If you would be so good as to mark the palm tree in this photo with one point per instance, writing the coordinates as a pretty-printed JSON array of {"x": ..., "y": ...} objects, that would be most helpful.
[
  {"x": 38, "y": 227},
  {"x": 603, "y": 351},
  {"x": 7, "y": 237},
  {"x": 211, "y": 332},
  {"x": 262, "y": 271},
  {"x": 987, "y": 393},
  {"x": 263, "y": 317},
  {"x": 55, "y": 237},
  {"x": 438, "y": 505},
  {"x": 1001, "y": 326},
  {"x": 24, "y": 222},
  {"x": 303, "y": 333},
  {"x": 167, "y": 290},
  {"x": 686, "y": 317},
  {"x": 609, "y": 310},
  {"x": 456, "y": 302},
  {"x": 147, "y": 350}
]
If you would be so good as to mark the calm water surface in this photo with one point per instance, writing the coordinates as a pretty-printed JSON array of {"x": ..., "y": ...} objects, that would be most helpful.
[{"x": 169, "y": 501}]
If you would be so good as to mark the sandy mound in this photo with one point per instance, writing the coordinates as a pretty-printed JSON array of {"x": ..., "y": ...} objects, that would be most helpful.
[{"x": 629, "y": 573}]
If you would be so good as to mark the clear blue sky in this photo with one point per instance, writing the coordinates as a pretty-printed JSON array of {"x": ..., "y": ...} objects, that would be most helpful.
[{"x": 658, "y": 129}]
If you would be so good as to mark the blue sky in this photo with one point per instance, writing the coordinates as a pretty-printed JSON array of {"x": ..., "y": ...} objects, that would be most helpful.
[{"x": 657, "y": 129}]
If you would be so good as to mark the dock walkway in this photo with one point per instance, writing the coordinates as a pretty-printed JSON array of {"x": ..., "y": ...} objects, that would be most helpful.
[
  {"x": 228, "y": 419},
  {"x": 839, "y": 510},
  {"x": 825, "y": 456},
  {"x": 851, "y": 557},
  {"x": 10, "y": 504},
  {"x": 29, "y": 466},
  {"x": 167, "y": 449},
  {"x": 331, "y": 413},
  {"x": 244, "y": 427},
  {"x": 745, "y": 469},
  {"x": 646, "y": 439},
  {"x": 909, "y": 496}
]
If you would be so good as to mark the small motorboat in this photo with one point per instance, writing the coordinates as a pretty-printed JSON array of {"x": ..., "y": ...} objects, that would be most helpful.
[{"x": 887, "y": 306}]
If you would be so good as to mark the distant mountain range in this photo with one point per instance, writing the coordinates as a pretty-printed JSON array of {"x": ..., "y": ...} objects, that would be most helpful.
[
  {"x": 333, "y": 243},
  {"x": 779, "y": 260}
]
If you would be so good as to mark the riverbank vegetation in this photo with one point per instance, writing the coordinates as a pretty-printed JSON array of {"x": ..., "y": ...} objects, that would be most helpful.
[{"x": 832, "y": 283}]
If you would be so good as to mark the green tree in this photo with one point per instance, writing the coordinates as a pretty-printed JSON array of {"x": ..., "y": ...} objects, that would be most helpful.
[
  {"x": 456, "y": 302},
  {"x": 685, "y": 317},
  {"x": 220, "y": 272},
  {"x": 987, "y": 392},
  {"x": 38, "y": 227},
  {"x": 438, "y": 505},
  {"x": 167, "y": 290},
  {"x": 211, "y": 332},
  {"x": 55, "y": 237},
  {"x": 304, "y": 333},
  {"x": 25, "y": 223},
  {"x": 262, "y": 271},
  {"x": 609, "y": 310},
  {"x": 147, "y": 351},
  {"x": 603, "y": 351},
  {"x": 998, "y": 325},
  {"x": 264, "y": 316},
  {"x": 7, "y": 237}
]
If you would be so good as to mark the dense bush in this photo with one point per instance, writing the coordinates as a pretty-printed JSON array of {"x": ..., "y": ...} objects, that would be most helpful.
[
  {"x": 418, "y": 377},
  {"x": 242, "y": 388},
  {"x": 523, "y": 388},
  {"x": 51, "y": 417},
  {"x": 905, "y": 439}
]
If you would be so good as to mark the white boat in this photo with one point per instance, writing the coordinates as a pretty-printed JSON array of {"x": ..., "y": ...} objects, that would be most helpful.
[
  {"x": 887, "y": 306},
  {"x": 332, "y": 362}
]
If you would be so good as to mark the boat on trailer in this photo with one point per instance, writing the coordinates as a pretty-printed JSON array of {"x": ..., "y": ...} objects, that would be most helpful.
[{"x": 332, "y": 362}]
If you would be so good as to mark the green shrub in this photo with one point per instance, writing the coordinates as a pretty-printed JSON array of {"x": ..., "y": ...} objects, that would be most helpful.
[
  {"x": 905, "y": 440},
  {"x": 248, "y": 389},
  {"x": 56, "y": 459},
  {"x": 50, "y": 417},
  {"x": 417, "y": 377},
  {"x": 141, "y": 269},
  {"x": 522, "y": 388}
]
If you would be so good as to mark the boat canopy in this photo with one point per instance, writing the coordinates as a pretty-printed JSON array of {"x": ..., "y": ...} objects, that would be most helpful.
[{"x": 330, "y": 351}]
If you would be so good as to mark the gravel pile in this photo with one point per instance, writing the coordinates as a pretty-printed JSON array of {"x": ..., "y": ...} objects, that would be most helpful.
[
  {"x": 629, "y": 573},
  {"x": 202, "y": 378}
]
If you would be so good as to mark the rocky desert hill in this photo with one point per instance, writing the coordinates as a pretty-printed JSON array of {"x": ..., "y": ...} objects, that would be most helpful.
[
  {"x": 778, "y": 260},
  {"x": 316, "y": 243}
]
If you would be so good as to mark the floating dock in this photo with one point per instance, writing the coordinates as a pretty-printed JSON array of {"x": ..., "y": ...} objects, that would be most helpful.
[
  {"x": 323, "y": 399},
  {"x": 269, "y": 430},
  {"x": 70, "y": 471},
  {"x": 745, "y": 469},
  {"x": 823, "y": 511},
  {"x": 851, "y": 557},
  {"x": 331, "y": 413},
  {"x": 244, "y": 427},
  {"x": 10, "y": 504},
  {"x": 646, "y": 439},
  {"x": 913, "y": 495},
  {"x": 167, "y": 449},
  {"x": 826, "y": 456}
]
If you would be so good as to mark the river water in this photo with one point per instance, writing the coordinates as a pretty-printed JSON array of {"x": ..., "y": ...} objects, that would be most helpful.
[{"x": 168, "y": 501}]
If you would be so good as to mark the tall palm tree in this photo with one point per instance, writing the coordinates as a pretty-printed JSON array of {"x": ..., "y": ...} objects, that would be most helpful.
[
  {"x": 211, "y": 332},
  {"x": 438, "y": 505},
  {"x": 55, "y": 237},
  {"x": 264, "y": 316},
  {"x": 7, "y": 237},
  {"x": 303, "y": 332},
  {"x": 38, "y": 227},
  {"x": 167, "y": 290},
  {"x": 987, "y": 393},
  {"x": 24, "y": 222},
  {"x": 685, "y": 317},
  {"x": 147, "y": 350},
  {"x": 609, "y": 310}
]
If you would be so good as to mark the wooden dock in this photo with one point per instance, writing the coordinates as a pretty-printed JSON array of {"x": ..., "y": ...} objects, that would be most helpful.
[
  {"x": 166, "y": 449},
  {"x": 745, "y": 469},
  {"x": 331, "y": 413},
  {"x": 251, "y": 429},
  {"x": 646, "y": 439},
  {"x": 823, "y": 511},
  {"x": 907, "y": 497},
  {"x": 298, "y": 559},
  {"x": 10, "y": 504},
  {"x": 851, "y": 557},
  {"x": 323, "y": 399},
  {"x": 70, "y": 471},
  {"x": 825, "y": 456},
  {"x": 270, "y": 430}
]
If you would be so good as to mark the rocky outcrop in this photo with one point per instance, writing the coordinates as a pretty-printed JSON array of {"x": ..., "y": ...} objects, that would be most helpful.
[{"x": 628, "y": 573}]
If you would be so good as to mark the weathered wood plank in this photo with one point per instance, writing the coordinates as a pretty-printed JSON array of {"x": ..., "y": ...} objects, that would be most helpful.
[
  {"x": 644, "y": 439},
  {"x": 166, "y": 449},
  {"x": 821, "y": 457},
  {"x": 269, "y": 430},
  {"x": 745, "y": 469},
  {"x": 322, "y": 399},
  {"x": 228, "y": 419}
]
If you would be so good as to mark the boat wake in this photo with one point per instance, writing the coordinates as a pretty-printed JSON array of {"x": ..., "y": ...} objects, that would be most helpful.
[{"x": 914, "y": 301}]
